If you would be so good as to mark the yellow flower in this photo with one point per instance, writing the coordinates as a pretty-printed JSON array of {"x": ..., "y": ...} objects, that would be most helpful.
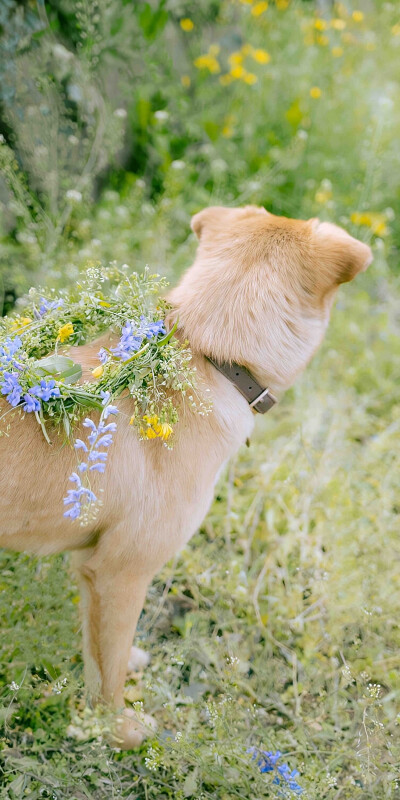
[
  {"x": 323, "y": 40},
  {"x": 282, "y": 5},
  {"x": 320, "y": 24},
  {"x": 250, "y": 78},
  {"x": 237, "y": 72},
  {"x": 97, "y": 372},
  {"x": 185, "y": 81},
  {"x": 261, "y": 56},
  {"x": 214, "y": 49},
  {"x": 104, "y": 303},
  {"x": 396, "y": 29},
  {"x": 315, "y": 92},
  {"x": 323, "y": 196},
  {"x": 132, "y": 420},
  {"x": 151, "y": 420},
  {"x": 209, "y": 62},
  {"x": 20, "y": 322},
  {"x": 225, "y": 80},
  {"x": 246, "y": 2},
  {"x": 338, "y": 24},
  {"x": 235, "y": 59},
  {"x": 65, "y": 331},
  {"x": 151, "y": 434},
  {"x": 247, "y": 49},
  {"x": 259, "y": 8},
  {"x": 186, "y": 24},
  {"x": 371, "y": 219},
  {"x": 164, "y": 430},
  {"x": 358, "y": 16},
  {"x": 337, "y": 52}
]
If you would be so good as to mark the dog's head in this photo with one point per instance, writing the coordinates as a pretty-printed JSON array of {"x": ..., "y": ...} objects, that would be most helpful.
[{"x": 261, "y": 288}]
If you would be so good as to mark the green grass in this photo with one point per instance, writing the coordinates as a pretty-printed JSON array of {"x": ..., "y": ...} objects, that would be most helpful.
[{"x": 278, "y": 625}]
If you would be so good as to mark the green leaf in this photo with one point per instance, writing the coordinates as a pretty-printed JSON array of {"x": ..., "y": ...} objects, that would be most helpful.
[{"x": 61, "y": 366}]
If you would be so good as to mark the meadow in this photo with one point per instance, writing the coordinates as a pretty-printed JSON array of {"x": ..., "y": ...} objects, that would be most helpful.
[{"x": 277, "y": 627}]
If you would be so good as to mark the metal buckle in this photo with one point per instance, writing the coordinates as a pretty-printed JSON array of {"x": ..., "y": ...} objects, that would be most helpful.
[{"x": 261, "y": 397}]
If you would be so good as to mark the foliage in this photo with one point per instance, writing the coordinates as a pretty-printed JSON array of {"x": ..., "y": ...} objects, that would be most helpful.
[{"x": 278, "y": 626}]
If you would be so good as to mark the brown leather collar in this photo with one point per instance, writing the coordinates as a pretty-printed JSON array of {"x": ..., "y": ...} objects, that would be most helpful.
[{"x": 259, "y": 399}]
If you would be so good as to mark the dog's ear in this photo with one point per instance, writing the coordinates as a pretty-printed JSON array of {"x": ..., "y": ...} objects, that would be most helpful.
[
  {"x": 342, "y": 253},
  {"x": 204, "y": 217}
]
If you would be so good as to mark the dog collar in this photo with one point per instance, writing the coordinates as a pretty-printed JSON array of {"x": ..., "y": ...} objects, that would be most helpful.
[{"x": 259, "y": 399}]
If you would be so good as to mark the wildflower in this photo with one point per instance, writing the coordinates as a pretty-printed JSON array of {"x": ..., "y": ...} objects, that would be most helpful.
[
  {"x": 185, "y": 81},
  {"x": 261, "y": 56},
  {"x": 98, "y": 467},
  {"x": 371, "y": 219},
  {"x": 31, "y": 404},
  {"x": 103, "y": 355},
  {"x": 358, "y": 16},
  {"x": 225, "y": 80},
  {"x": 132, "y": 419},
  {"x": 323, "y": 40},
  {"x": 46, "y": 390},
  {"x": 268, "y": 762},
  {"x": 250, "y": 78},
  {"x": 73, "y": 196},
  {"x": 259, "y": 8},
  {"x": 11, "y": 388},
  {"x": 79, "y": 444},
  {"x": 47, "y": 305},
  {"x": 110, "y": 410},
  {"x": 207, "y": 61},
  {"x": 235, "y": 59},
  {"x": 396, "y": 29},
  {"x": 150, "y": 433},
  {"x": 237, "y": 72},
  {"x": 186, "y": 24},
  {"x": 8, "y": 350},
  {"x": 338, "y": 24},
  {"x": 97, "y": 372},
  {"x": 65, "y": 331},
  {"x": 20, "y": 322},
  {"x": 315, "y": 92},
  {"x": 320, "y": 24},
  {"x": 165, "y": 431},
  {"x": 337, "y": 52}
]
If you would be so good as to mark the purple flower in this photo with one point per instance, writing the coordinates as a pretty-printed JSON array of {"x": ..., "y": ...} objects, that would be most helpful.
[
  {"x": 82, "y": 466},
  {"x": 105, "y": 441},
  {"x": 80, "y": 445},
  {"x": 47, "y": 305},
  {"x": 10, "y": 347},
  {"x": 268, "y": 762},
  {"x": 97, "y": 454},
  {"x": 74, "y": 512},
  {"x": 105, "y": 396},
  {"x": 98, "y": 467},
  {"x": 88, "y": 423},
  {"x": 110, "y": 410},
  {"x": 103, "y": 356},
  {"x": 31, "y": 403},
  {"x": 111, "y": 426}
]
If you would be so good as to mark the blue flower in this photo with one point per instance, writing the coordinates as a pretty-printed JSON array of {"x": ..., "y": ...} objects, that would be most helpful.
[
  {"x": 103, "y": 356},
  {"x": 98, "y": 467},
  {"x": 99, "y": 436},
  {"x": 110, "y": 410},
  {"x": 46, "y": 390},
  {"x": 9, "y": 348},
  {"x": 47, "y": 305},
  {"x": 11, "y": 388},
  {"x": 80, "y": 445},
  {"x": 105, "y": 441},
  {"x": 268, "y": 762},
  {"x": 132, "y": 337},
  {"x": 150, "y": 329},
  {"x": 31, "y": 403}
]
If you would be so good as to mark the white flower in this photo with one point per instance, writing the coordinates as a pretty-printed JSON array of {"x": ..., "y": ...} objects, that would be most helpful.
[
  {"x": 121, "y": 113},
  {"x": 161, "y": 115},
  {"x": 178, "y": 164},
  {"x": 74, "y": 196}
]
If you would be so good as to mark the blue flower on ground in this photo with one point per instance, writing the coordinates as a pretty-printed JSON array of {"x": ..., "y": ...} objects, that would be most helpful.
[
  {"x": 31, "y": 403},
  {"x": 268, "y": 762}
]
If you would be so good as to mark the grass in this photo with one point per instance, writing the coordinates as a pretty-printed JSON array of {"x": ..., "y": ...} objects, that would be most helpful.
[{"x": 278, "y": 625}]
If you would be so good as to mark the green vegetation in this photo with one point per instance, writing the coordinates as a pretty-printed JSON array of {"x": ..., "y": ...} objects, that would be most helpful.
[{"x": 278, "y": 625}]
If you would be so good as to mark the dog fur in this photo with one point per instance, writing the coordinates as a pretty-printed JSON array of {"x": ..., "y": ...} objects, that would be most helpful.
[{"x": 259, "y": 293}]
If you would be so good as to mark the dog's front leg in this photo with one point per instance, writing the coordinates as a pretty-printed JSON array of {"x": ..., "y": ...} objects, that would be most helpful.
[{"x": 112, "y": 597}]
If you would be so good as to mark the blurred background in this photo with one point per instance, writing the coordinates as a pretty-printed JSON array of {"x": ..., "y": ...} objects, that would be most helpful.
[{"x": 278, "y": 626}]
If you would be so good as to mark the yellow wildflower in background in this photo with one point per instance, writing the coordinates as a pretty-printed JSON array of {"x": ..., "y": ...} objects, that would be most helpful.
[
  {"x": 225, "y": 80},
  {"x": 358, "y": 16},
  {"x": 65, "y": 331},
  {"x": 371, "y": 219},
  {"x": 238, "y": 72},
  {"x": 259, "y": 8},
  {"x": 235, "y": 59},
  {"x": 186, "y": 24},
  {"x": 207, "y": 61},
  {"x": 396, "y": 29},
  {"x": 337, "y": 52},
  {"x": 315, "y": 92},
  {"x": 323, "y": 40},
  {"x": 185, "y": 81},
  {"x": 320, "y": 24},
  {"x": 338, "y": 24},
  {"x": 282, "y": 5},
  {"x": 250, "y": 78},
  {"x": 97, "y": 372},
  {"x": 261, "y": 56}
]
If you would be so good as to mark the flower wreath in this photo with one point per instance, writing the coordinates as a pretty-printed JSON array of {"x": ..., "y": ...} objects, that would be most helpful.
[{"x": 148, "y": 362}]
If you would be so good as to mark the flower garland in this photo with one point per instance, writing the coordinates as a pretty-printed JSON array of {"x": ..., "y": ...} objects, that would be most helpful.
[{"x": 147, "y": 362}]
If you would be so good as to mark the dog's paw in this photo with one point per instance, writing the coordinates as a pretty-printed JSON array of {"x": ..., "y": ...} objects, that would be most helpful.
[
  {"x": 131, "y": 728},
  {"x": 138, "y": 660}
]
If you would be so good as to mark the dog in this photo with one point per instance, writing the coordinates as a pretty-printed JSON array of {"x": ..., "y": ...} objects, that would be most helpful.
[{"x": 258, "y": 296}]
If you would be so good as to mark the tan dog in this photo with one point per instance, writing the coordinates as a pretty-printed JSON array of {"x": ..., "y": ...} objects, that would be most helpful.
[{"x": 259, "y": 293}]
